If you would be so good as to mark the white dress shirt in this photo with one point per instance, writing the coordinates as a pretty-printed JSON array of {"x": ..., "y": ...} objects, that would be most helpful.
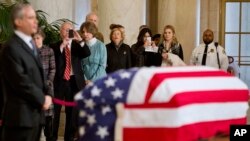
[
  {"x": 25, "y": 38},
  {"x": 91, "y": 42}
]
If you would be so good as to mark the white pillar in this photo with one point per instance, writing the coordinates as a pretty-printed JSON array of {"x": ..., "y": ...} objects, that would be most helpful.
[
  {"x": 74, "y": 10},
  {"x": 182, "y": 15},
  {"x": 129, "y": 13},
  {"x": 80, "y": 9},
  {"x": 56, "y": 9},
  {"x": 210, "y": 13}
]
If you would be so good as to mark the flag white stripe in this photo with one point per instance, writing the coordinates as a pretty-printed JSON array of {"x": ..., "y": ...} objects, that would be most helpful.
[
  {"x": 169, "y": 87},
  {"x": 139, "y": 85},
  {"x": 185, "y": 115}
]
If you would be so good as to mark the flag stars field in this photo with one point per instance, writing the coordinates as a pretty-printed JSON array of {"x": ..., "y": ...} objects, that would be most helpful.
[
  {"x": 110, "y": 82},
  {"x": 91, "y": 120},
  {"x": 117, "y": 93},
  {"x": 102, "y": 132},
  {"x": 89, "y": 103},
  {"x": 125, "y": 75},
  {"x": 82, "y": 114},
  {"x": 81, "y": 130},
  {"x": 95, "y": 91},
  {"x": 105, "y": 110}
]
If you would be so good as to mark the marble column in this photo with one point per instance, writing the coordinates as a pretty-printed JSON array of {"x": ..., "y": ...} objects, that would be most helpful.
[
  {"x": 56, "y": 9},
  {"x": 80, "y": 9},
  {"x": 74, "y": 10},
  {"x": 129, "y": 13},
  {"x": 210, "y": 12},
  {"x": 182, "y": 14}
]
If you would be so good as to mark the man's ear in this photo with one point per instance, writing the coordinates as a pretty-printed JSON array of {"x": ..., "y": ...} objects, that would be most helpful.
[{"x": 17, "y": 22}]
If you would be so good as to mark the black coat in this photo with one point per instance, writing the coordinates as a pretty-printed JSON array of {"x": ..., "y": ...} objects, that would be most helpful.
[
  {"x": 77, "y": 54},
  {"x": 141, "y": 58},
  {"x": 118, "y": 59},
  {"x": 23, "y": 83},
  {"x": 175, "y": 49}
]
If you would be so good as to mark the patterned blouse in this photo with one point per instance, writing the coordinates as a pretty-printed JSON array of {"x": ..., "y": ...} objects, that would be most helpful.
[{"x": 47, "y": 58}]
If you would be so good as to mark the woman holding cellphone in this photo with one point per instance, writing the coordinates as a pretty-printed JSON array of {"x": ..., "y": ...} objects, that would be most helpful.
[{"x": 143, "y": 50}]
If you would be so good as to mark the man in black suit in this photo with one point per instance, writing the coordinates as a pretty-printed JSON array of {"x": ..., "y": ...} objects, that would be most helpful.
[
  {"x": 24, "y": 88},
  {"x": 69, "y": 77}
]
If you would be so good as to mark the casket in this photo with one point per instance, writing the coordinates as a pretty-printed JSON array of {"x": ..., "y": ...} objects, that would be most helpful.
[{"x": 161, "y": 104}]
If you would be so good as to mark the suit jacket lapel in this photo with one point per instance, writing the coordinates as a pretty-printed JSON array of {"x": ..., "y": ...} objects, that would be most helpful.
[
  {"x": 28, "y": 49},
  {"x": 73, "y": 53}
]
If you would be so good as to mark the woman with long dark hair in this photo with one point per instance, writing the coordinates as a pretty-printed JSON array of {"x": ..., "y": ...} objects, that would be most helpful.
[{"x": 140, "y": 57}]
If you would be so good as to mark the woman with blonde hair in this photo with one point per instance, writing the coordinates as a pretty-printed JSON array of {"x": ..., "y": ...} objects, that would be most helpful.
[
  {"x": 169, "y": 42},
  {"x": 118, "y": 53},
  {"x": 170, "y": 48}
]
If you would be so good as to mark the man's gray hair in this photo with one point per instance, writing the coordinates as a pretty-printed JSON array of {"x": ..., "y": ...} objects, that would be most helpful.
[
  {"x": 17, "y": 12},
  {"x": 90, "y": 14}
]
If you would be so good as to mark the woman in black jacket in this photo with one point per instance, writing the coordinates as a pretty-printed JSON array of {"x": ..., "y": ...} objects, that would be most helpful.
[
  {"x": 169, "y": 43},
  {"x": 140, "y": 57},
  {"x": 118, "y": 53}
]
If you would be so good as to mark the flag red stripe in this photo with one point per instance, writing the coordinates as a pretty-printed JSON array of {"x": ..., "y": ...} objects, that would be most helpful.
[
  {"x": 191, "y": 132},
  {"x": 185, "y": 98},
  {"x": 159, "y": 77}
]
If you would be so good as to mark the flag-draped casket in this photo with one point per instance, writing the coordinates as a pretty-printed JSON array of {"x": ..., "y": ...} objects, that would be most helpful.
[{"x": 162, "y": 104}]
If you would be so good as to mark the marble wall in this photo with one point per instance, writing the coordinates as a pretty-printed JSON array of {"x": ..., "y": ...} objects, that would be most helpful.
[
  {"x": 152, "y": 15},
  {"x": 182, "y": 14},
  {"x": 56, "y": 9},
  {"x": 190, "y": 18},
  {"x": 80, "y": 10},
  {"x": 209, "y": 17},
  {"x": 74, "y": 10},
  {"x": 129, "y": 13}
]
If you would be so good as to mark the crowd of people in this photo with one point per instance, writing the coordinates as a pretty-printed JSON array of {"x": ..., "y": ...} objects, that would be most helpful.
[{"x": 33, "y": 73}]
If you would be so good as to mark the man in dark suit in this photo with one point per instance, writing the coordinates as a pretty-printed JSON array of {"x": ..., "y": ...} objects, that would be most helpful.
[
  {"x": 23, "y": 84},
  {"x": 69, "y": 77}
]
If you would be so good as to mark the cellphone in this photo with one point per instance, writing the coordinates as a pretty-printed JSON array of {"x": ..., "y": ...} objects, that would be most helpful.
[
  {"x": 71, "y": 33},
  {"x": 149, "y": 39}
]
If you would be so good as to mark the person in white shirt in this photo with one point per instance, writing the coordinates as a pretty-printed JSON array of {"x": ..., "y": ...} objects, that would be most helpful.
[{"x": 209, "y": 53}]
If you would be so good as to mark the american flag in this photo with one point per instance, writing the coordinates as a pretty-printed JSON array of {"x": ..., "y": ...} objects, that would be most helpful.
[{"x": 162, "y": 104}]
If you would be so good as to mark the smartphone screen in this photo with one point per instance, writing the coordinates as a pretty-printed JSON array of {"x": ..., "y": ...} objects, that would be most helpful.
[
  {"x": 149, "y": 39},
  {"x": 71, "y": 33}
]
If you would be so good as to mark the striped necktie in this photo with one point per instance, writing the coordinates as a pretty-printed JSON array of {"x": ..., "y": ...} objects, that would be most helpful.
[{"x": 68, "y": 63}]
